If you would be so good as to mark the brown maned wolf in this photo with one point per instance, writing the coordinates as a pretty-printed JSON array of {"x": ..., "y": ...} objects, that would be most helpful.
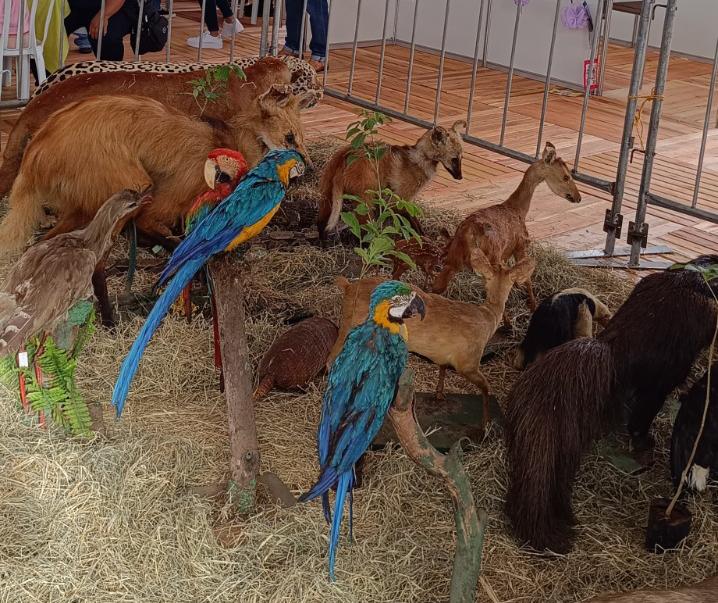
[{"x": 403, "y": 169}]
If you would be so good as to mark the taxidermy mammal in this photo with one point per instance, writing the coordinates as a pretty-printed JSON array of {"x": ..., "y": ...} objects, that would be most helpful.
[
  {"x": 500, "y": 230},
  {"x": 559, "y": 318},
  {"x": 403, "y": 169},
  {"x": 564, "y": 400}
]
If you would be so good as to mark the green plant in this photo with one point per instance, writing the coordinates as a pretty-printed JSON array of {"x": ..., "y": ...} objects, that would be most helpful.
[
  {"x": 213, "y": 85},
  {"x": 57, "y": 394},
  {"x": 380, "y": 217}
]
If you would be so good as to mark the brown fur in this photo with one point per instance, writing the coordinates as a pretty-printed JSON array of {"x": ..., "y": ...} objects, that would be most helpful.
[
  {"x": 171, "y": 89},
  {"x": 559, "y": 405},
  {"x": 427, "y": 255},
  {"x": 453, "y": 333},
  {"x": 703, "y": 592},
  {"x": 403, "y": 169},
  {"x": 120, "y": 142},
  {"x": 500, "y": 230}
]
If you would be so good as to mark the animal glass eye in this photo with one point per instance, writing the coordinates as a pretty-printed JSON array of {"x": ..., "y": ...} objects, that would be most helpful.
[
  {"x": 566, "y": 178},
  {"x": 290, "y": 139}
]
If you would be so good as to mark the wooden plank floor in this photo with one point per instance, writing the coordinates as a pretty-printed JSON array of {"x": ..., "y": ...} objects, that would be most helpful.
[{"x": 488, "y": 177}]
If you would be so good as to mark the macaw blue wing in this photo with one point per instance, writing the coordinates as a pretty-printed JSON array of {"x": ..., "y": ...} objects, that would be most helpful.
[{"x": 253, "y": 198}]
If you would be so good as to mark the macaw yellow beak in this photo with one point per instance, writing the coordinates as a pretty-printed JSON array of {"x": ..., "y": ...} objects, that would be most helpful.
[{"x": 210, "y": 173}]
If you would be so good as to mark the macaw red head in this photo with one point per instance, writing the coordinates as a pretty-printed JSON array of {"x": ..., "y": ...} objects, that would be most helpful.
[{"x": 224, "y": 166}]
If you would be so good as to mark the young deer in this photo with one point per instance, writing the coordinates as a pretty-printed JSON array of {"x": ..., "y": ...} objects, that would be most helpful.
[
  {"x": 453, "y": 333},
  {"x": 427, "y": 255},
  {"x": 500, "y": 230}
]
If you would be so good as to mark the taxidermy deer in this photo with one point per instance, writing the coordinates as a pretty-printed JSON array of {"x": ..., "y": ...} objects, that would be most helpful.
[
  {"x": 567, "y": 398},
  {"x": 123, "y": 141},
  {"x": 453, "y": 333},
  {"x": 427, "y": 255},
  {"x": 171, "y": 85},
  {"x": 559, "y": 318},
  {"x": 500, "y": 230},
  {"x": 403, "y": 169}
]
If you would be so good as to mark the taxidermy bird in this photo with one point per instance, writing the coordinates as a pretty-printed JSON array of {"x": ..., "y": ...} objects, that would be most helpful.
[
  {"x": 223, "y": 170},
  {"x": 236, "y": 219},
  {"x": 53, "y": 275},
  {"x": 362, "y": 383},
  {"x": 685, "y": 431}
]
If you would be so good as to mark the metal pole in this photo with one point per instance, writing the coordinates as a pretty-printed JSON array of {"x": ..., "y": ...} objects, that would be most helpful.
[
  {"x": 396, "y": 20},
  {"x": 201, "y": 30},
  {"x": 587, "y": 93},
  {"x": 652, "y": 138},
  {"x": 510, "y": 77},
  {"x": 486, "y": 33},
  {"x": 303, "y": 30},
  {"x": 604, "y": 46},
  {"x": 170, "y": 10},
  {"x": 547, "y": 83},
  {"x": 354, "y": 48},
  {"x": 264, "y": 34},
  {"x": 139, "y": 28},
  {"x": 235, "y": 14},
  {"x": 442, "y": 58},
  {"x": 329, "y": 29},
  {"x": 20, "y": 43},
  {"x": 275, "y": 27},
  {"x": 100, "y": 36},
  {"x": 639, "y": 61},
  {"x": 380, "y": 75},
  {"x": 706, "y": 125},
  {"x": 255, "y": 12},
  {"x": 409, "y": 75},
  {"x": 474, "y": 68},
  {"x": 62, "y": 37}
]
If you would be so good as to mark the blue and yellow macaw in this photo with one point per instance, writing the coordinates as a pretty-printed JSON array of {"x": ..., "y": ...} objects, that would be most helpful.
[
  {"x": 362, "y": 383},
  {"x": 237, "y": 219}
]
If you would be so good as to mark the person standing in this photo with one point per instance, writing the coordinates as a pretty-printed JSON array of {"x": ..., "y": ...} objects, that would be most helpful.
[
  {"x": 318, "y": 20},
  {"x": 211, "y": 37}
]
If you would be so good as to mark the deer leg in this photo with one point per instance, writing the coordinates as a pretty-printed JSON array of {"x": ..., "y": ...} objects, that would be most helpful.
[
  {"x": 217, "y": 347},
  {"x": 99, "y": 285},
  {"x": 531, "y": 302},
  {"x": 439, "y": 394},
  {"x": 157, "y": 231},
  {"x": 477, "y": 378}
]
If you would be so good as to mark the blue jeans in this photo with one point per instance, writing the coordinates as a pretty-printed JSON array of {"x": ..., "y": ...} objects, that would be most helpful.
[{"x": 318, "y": 19}]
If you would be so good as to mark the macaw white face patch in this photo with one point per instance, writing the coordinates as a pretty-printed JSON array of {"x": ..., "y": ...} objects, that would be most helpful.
[
  {"x": 699, "y": 477},
  {"x": 399, "y": 304},
  {"x": 297, "y": 170}
]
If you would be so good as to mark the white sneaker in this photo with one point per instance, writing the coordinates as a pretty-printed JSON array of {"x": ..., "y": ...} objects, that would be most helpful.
[
  {"x": 231, "y": 28},
  {"x": 208, "y": 41}
]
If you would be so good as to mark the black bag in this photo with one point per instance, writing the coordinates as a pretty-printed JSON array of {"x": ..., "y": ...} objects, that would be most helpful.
[{"x": 153, "y": 30}]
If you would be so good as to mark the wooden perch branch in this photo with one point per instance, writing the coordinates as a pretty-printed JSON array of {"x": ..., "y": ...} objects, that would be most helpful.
[
  {"x": 244, "y": 448},
  {"x": 470, "y": 525}
]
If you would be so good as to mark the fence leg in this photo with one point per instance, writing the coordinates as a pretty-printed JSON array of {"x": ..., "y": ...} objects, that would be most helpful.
[
  {"x": 638, "y": 230},
  {"x": 612, "y": 224}
]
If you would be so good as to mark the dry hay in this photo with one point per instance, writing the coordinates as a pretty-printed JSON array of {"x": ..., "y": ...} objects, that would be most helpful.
[{"x": 114, "y": 519}]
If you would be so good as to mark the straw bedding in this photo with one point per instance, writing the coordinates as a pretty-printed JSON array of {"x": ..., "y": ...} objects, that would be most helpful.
[{"x": 116, "y": 518}]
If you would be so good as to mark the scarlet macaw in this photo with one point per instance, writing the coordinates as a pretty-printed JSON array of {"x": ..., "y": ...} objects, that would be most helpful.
[
  {"x": 237, "y": 219},
  {"x": 362, "y": 383}
]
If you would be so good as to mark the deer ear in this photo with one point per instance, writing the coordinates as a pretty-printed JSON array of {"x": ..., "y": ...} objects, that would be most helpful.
[
  {"x": 480, "y": 263},
  {"x": 549, "y": 153},
  {"x": 458, "y": 125},
  {"x": 438, "y": 135}
]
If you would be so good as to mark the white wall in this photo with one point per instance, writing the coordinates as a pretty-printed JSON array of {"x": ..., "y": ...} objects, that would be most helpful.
[
  {"x": 572, "y": 47},
  {"x": 695, "y": 28}
]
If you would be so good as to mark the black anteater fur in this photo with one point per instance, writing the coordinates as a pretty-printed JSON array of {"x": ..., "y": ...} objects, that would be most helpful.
[
  {"x": 685, "y": 430},
  {"x": 566, "y": 398}
]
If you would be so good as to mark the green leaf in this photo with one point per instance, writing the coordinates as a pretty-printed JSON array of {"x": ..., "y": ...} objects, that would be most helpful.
[
  {"x": 352, "y": 222},
  {"x": 362, "y": 209},
  {"x": 354, "y": 198},
  {"x": 358, "y": 141},
  {"x": 403, "y": 257}
]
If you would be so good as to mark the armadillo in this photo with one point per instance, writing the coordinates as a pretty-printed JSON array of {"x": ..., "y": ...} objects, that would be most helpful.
[{"x": 297, "y": 356}]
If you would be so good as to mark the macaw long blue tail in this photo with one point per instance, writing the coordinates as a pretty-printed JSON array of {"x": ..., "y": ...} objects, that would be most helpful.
[
  {"x": 343, "y": 487},
  {"x": 154, "y": 319}
]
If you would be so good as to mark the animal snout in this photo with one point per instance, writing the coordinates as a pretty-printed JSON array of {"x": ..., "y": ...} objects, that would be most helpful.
[
  {"x": 456, "y": 169},
  {"x": 574, "y": 198}
]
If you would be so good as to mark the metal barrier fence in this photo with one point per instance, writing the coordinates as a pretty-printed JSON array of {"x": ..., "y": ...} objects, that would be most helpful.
[{"x": 638, "y": 229}]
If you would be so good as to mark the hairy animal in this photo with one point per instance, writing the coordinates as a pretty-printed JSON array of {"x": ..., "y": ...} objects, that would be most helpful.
[
  {"x": 453, "y": 334},
  {"x": 703, "y": 592},
  {"x": 564, "y": 400},
  {"x": 685, "y": 431},
  {"x": 403, "y": 169},
  {"x": 500, "y": 230},
  {"x": 125, "y": 141},
  {"x": 171, "y": 88},
  {"x": 559, "y": 318}
]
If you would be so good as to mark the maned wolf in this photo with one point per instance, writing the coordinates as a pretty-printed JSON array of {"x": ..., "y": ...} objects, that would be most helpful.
[{"x": 403, "y": 169}]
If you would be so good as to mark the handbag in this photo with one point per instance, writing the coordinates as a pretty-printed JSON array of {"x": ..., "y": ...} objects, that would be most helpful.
[{"x": 153, "y": 27}]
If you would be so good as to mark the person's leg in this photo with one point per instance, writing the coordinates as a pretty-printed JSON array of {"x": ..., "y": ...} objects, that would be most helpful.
[
  {"x": 210, "y": 38},
  {"x": 113, "y": 48},
  {"x": 319, "y": 20},
  {"x": 295, "y": 20},
  {"x": 230, "y": 23}
]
